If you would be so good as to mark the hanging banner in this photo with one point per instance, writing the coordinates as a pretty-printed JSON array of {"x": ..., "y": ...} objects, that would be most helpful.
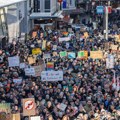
[
  {"x": 63, "y": 54},
  {"x": 96, "y": 54},
  {"x": 50, "y": 66},
  {"x": 5, "y": 107},
  {"x": 64, "y": 3},
  {"x": 44, "y": 45},
  {"x": 71, "y": 55},
  {"x": 52, "y": 76},
  {"x": 13, "y": 61},
  {"x": 36, "y": 51},
  {"x": 28, "y": 106}
]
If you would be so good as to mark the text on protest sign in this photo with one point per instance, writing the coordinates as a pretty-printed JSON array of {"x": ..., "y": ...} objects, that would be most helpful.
[
  {"x": 52, "y": 76},
  {"x": 96, "y": 54},
  {"x": 13, "y": 61}
]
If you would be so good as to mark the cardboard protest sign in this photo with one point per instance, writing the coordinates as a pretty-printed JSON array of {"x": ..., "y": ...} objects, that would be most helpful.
[
  {"x": 50, "y": 65},
  {"x": 44, "y": 45},
  {"x": 5, "y": 107},
  {"x": 63, "y": 54},
  {"x": 34, "y": 34},
  {"x": 110, "y": 62},
  {"x": 31, "y": 60},
  {"x": 86, "y": 34},
  {"x": 71, "y": 55},
  {"x": 83, "y": 54},
  {"x": 37, "y": 70},
  {"x": 52, "y": 76},
  {"x": 62, "y": 106},
  {"x": 28, "y": 106},
  {"x": 35, "y": 118},
  {"x": 114, "y": 47},
  {"x": 16, "y": 116},
  {"x": 29, "y": 71},
  {"x": 22, "y": 65},
  {"x": 46, "y": 56},
  {"x": 5, "y": 116},
  {"x": 36, "y": 51},
  {"x": 55, "y": 54},
  {"x": 96, "y": 54},
  {"x": 13, "y": 61},
  {"x": 17, "y": 80}
]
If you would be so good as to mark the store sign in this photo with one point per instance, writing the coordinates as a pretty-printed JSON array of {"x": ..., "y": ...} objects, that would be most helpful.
[{"x": 100, "y": 9}]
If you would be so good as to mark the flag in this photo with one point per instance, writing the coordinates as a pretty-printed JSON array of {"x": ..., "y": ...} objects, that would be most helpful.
[{"x": 114, "y": 81}]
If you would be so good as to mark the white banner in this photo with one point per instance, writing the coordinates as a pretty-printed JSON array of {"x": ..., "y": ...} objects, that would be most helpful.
[
  {"x": 35, "y": 118},
  {"x": 30, "y": 71},
  {"x": 110, "y": 62},
  {"x": 13, "y": 61},
  {"x": 52, "y": 76},
  {"x": 17, "y": 80},
  {"x": 64, "y": 39}
]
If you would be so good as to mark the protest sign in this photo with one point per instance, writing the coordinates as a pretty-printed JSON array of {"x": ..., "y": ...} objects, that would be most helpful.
[
  {"x": 110, "y": 62},
  {"x": 17, "y": 80},
  {"x": 55, "y": 54},
  {"x": 61, "y": 39},
  {"x": 71, "y": 55},
  {"x": 34, "y": 34},
  {"x": 31, "y": 60},
  {"x": 62, "y": 106},
  {"x": 37, "y": 70},
  {"x": 50, "y": 65},
  {"x": 52, "y": 76},
  {"x": 114, "y": 47},
  {"x": 63, "y": 54},
  {"x": 86, "y": 34},
  {"x": 30, "y": 71},
  {"x": 22, "y": 65},
  {"x": 44, "y": 45},
  {"x": 46, "y": 56},
  {"x": 35, "y": 118},
  {"x": 83, "y": 54},
  {"x": 65, "y": 33},
  {"x": 54, "y": 47},
  {"x": 28, "y": 106},
  {"x": 96, "y": 54},
  {"x": 36, "y": 51},
  {"x": 13, "y": 61},
  {"x": 5, "y": 116},
  {"x": 16, "y": 116},
  {"x": 5, "y": 107}
]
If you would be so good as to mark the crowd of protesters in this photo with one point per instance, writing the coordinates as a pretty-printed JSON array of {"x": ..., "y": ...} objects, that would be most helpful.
[{"x": 87, "y": 86}]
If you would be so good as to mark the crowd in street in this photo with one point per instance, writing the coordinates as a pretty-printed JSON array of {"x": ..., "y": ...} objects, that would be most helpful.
[{"x": 87, "y": 89}]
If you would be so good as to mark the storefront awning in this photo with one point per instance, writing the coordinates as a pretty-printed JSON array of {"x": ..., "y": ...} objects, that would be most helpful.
[{"x": 45, "y": 15}]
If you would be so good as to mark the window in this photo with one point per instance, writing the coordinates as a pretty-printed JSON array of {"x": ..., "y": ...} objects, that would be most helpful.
[
  {"x": 47, "y": 5},
  {"x": 36, "y": 5}
]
